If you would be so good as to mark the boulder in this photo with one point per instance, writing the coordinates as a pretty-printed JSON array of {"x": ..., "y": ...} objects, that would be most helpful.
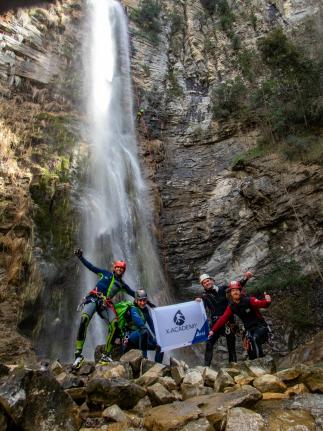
[
  {"x": 86, "y": 369},
  {"x": 216, "y": 405},
  {"x": 192, "y": 384},
  {"x": 243, "y": 379},
  {"x": 297, "y": 390},
  {"x": 274, "y": 396},
  {"x": 36, "y": 401},
  {"x": 269, "y": 383},
  {"x": 255, "y": 371},
  {"x": 113, "y": 369},
  {"x": 151, "y": 376},
  {"x": 177, "y": 374},
  {"x": 119, "y": 391},
  {"x": 158, "y": 394},
  {"x": 242, "y": 419},
  {"x": 56, "y": 367},
  {"x": 201, "y": 424},
  {"x": 134, "y": 358},
  {"x": 289, "y": 374},
  {"x": 69, "y": 381},
  {"x": 232, "y": 371},
  {"x": 209, "y": 376},
  {"x": 143, "y": 405},
  {"x": 145, "y": 365},
  {"x": 313, "y": 379},
  {"x": 287, "y": 420},
  {"x": 168, "y": 383},
  {"x": 115, "y": 414},
  {"x": 77, "y": 394},
  {"x": 193, "y": 378},
  {"x": 257, "y": 366},
  {"x": 171, "y": 416},
  {"x": 222, "y": 381}
]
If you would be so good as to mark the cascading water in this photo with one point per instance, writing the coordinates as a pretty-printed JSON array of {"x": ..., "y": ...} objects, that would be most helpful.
[{"x": 116, "y": 218}]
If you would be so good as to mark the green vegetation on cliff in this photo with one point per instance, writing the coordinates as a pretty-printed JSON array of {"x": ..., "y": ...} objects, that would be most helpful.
[
  {"x": 147, "y": 18},
  {"x": 54, "y": 214},
  {"x": 293, "y": 293}
]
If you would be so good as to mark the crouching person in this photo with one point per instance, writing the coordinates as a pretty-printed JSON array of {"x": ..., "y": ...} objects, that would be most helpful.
[{"x": 141, "y": 328}]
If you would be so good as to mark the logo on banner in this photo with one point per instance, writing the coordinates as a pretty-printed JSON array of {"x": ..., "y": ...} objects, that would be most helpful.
[{"x": 179, "y": 318}]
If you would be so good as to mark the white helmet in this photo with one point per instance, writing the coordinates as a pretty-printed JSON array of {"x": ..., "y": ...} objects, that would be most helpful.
[{"x": 204, "y": 277}]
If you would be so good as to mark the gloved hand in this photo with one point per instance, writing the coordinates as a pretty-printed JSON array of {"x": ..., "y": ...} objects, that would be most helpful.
[
  {"x": 158, "y": 348},
  {"x": 78, "y": 252},
  {"x": 151, "y": 305}
]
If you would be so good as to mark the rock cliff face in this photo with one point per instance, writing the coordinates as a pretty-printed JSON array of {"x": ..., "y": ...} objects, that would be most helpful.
[
  {"x": 214, "y": 217},
  {"x": 221, "y": 205},
  {"x": 40, "y": 89}
]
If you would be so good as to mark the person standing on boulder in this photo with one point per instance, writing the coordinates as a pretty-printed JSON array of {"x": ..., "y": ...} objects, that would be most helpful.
[
  {"x": 215, "y": 301},
  {"x": 141, "y": 328},
  {"x": 99, "y": 300},
  {"x": 247, "y": 309}
]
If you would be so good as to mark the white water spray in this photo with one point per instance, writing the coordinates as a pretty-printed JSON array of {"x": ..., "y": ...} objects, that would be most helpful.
[{"x": 116, "y": 219}]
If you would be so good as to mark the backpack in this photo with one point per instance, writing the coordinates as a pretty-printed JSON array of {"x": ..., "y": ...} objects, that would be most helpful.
[{"x": 123, "y": 312}]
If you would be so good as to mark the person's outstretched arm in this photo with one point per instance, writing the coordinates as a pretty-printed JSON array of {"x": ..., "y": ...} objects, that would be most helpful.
[
  {"x": 221, "y": 320},
  {"x": 246, "y": 277},
  {"x": 260, "y": 303},
  {"x": 128, "y": 290},
  {"x": 79, "y": 253}
]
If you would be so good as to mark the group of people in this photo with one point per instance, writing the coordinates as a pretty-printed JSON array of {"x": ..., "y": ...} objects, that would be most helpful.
[
  {"x": 130, "y": 324},
  {"x": 224, "y": 302},
  {"x": 131, "y": 327}
]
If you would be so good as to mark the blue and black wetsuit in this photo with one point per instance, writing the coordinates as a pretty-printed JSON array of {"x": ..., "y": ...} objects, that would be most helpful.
[
  {"x": 142, "y": 332},
  {"x": 98, "y": 300}
]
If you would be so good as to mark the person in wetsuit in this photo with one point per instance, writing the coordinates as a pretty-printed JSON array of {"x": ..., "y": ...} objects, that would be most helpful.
[
  {"x": 215, "y": 302},
  {"x": 141, "y": 328},
  {"x": 247, "y": 309},
  {"x": 99, "y": 301}
]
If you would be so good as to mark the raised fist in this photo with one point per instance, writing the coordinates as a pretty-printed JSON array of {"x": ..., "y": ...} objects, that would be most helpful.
[
  {"x": 248, "y": 275},
  {"x": 267, "y": 297},
  {"x": 78, "y": 252}
]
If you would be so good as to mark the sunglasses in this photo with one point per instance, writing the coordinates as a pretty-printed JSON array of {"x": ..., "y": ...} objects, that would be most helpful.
[{"x": 142, "y": 300}]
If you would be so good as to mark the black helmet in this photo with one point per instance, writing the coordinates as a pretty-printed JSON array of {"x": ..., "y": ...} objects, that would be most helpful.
[{"x": 140, "y": 294}]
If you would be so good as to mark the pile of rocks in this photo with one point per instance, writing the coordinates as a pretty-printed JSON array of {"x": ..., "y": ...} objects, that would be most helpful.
[{"x": 137, "y": 394}]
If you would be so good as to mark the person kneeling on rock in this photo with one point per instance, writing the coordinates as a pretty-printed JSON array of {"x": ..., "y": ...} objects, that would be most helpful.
[
  {"x": 141, "y": 329},
  {"x": 247, "y": 309}
]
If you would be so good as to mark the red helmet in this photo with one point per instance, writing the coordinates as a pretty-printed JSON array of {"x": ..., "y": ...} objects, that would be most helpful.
[
  {"x": 119, "y": 264},
  {"x": 234, "y": 285}
]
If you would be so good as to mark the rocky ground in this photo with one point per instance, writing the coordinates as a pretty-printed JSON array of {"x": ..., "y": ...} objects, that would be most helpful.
[{"x": 134, "y": 393}]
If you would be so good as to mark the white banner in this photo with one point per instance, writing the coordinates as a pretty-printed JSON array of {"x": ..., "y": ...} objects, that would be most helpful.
[{"x": 180, "y": 325}]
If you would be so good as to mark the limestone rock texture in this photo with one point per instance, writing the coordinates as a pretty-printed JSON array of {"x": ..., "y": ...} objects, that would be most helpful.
[
  {"x": 218, "y": 210},
  {"x": 215, "y": 209},
  {"x": 40, "y": 91}
]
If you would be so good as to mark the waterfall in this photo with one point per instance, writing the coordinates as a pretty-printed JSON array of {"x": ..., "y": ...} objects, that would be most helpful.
[{"x": 116, "y": 217}]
